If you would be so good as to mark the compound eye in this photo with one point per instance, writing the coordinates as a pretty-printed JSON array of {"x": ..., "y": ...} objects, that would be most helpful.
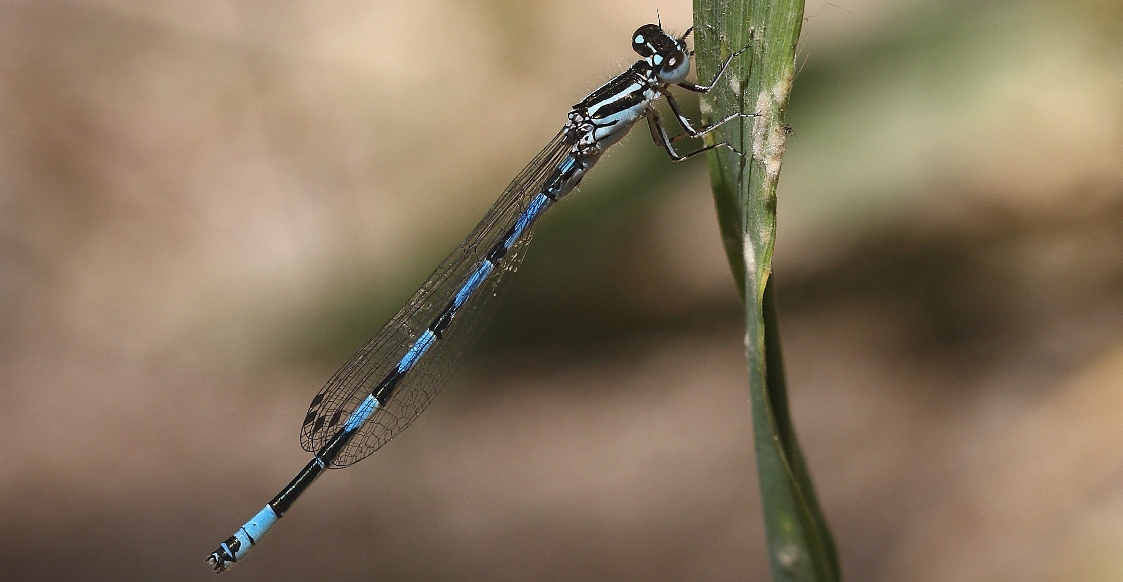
[
  {"x": 672, "y": 62},
  {"x": 644, "y": 38},
  {"x": 673, "y": 66}
]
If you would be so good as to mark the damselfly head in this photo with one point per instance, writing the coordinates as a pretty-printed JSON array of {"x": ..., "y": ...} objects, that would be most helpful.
[{"x": 668, "y": 55}]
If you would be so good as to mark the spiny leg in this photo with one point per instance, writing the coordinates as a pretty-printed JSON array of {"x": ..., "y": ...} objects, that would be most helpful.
[
  {"x": 659, "y": 135},
  {"x": 724, "y": 65},
  {"x": 684, "y": 121}
]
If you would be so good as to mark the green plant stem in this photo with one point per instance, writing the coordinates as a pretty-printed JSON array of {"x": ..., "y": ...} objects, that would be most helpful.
[{"x": 744, "y": 182}]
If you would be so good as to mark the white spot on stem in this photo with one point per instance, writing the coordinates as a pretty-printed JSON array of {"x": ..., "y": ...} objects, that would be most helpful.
[
  {"x": 788, "y": 556},
  {"x": 748, "y": 252},
  {"x": 735, "y": 85},
  {"x": 769, "y": 137}
]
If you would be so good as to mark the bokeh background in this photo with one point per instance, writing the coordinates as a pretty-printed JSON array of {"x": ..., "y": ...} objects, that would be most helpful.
[{"x": 206, "y": 206}]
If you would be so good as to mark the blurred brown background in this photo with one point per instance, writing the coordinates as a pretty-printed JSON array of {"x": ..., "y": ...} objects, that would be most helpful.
[{"x": 206, "y": 206}]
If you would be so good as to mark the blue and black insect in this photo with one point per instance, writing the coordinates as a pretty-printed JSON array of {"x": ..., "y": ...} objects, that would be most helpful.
[{"x": 390, "y": 381}]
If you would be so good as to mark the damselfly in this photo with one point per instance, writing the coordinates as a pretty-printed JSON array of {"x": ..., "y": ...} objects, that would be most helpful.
[{"x": 391, "y": 380}]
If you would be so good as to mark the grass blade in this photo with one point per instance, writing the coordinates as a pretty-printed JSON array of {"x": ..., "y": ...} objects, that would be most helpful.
[{"x": 744, "y": 182}]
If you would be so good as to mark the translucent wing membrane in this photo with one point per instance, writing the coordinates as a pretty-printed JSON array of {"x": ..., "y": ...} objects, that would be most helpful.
[{"x": 356, "y": 380}]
